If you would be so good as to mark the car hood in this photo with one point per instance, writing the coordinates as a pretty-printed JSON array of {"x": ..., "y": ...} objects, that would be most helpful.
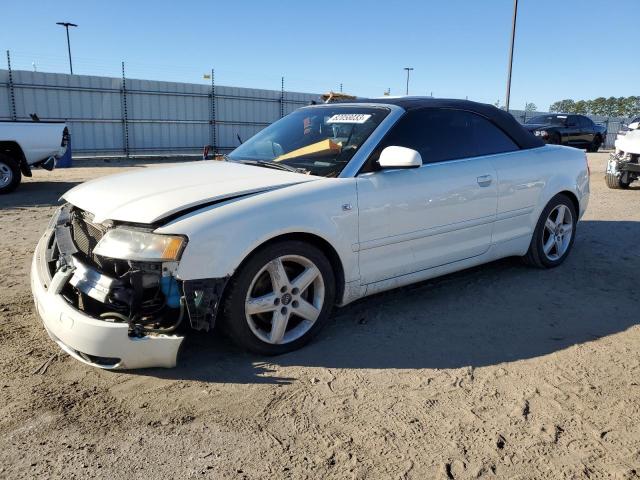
[{"x": 151, "y": 194}]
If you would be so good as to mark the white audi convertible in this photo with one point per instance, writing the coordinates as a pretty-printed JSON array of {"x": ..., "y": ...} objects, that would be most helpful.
[{"x": 327, "y": 205}]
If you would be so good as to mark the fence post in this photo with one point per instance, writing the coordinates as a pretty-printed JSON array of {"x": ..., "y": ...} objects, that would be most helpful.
[
  {"x": 125, "y": 116},
  {"x": 213, "y": 134},
  {"x": 12, "y": 95},
  {"x": 282, "y": 97}
]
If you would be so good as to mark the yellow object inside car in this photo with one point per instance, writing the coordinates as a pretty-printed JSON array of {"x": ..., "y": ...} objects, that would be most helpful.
[{"x": 320, "y": 148}]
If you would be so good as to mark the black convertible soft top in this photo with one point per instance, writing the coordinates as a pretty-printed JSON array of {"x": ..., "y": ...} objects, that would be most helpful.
[{"x": 502, "y": 119}]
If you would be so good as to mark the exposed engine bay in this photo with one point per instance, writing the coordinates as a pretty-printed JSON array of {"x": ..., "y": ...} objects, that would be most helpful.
[
  {"x": 624, "y": 165},
  {"x": 145, "y": 295}
]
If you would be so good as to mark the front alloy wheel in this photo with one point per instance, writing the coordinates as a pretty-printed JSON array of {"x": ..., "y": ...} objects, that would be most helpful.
[
  {"x": 284, "y": 299},
  {"x": 280, "y": 298}
]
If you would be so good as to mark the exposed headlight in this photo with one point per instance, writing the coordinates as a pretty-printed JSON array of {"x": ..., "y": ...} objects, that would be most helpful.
[
  {"x": 128, "y": 244},
  {"x": 541, "y": 133}
]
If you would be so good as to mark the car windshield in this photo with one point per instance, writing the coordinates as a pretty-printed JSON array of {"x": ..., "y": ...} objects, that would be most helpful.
[
  {"x": 549, "y": 119},
  {"x": 319, "y": 140}
]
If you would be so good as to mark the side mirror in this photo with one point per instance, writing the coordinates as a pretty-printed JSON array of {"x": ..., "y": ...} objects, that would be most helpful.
[{"x": 399, "y": 157}]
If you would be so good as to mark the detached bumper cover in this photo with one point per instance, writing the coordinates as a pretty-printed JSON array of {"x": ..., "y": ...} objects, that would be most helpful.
[{"x": 92, "y": 341}]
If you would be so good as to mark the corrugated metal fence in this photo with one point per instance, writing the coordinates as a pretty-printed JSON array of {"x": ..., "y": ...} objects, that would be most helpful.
[
  {"x": 613, "y": 124},
  {"x": 121, "y": 115},
  {"x": 125, "y": 116}
]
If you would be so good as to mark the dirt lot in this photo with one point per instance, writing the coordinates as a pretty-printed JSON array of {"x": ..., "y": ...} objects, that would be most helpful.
[{"x": 499, "y": 371}]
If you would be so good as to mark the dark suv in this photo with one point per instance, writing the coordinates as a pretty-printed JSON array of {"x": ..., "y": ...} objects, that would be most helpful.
[{"x": 568, "y": 129}]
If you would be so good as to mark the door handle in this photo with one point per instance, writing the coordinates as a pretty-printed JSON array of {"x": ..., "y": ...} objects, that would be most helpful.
[{"x": 485, "y": 180}]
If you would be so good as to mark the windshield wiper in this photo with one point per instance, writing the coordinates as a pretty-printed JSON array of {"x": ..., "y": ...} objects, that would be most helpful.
[
  {"x": 279, "y": 166},
  {"x": 269, "y": 164}
]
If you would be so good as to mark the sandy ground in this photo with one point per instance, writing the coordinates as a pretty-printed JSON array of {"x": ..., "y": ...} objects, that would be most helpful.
[{"x": 496, "y": 372}]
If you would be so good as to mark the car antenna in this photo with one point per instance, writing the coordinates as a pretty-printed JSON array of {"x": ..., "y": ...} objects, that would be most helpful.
[{"x": 239, "y": 139}]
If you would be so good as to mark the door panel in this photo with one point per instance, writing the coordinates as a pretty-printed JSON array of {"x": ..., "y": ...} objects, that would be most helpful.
[
  {"x": 520, "y": 184},
  {"x": 573, "y": 131},
  {"x": 411, "y": 220},
  {"x": 587, "y": 132}
]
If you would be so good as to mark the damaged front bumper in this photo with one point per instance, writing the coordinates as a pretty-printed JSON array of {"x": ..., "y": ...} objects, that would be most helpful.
[
  {"x": 113, "y": 313},
  {"x": 94, "y": 341},
  {"x": 624, "y": 165}
]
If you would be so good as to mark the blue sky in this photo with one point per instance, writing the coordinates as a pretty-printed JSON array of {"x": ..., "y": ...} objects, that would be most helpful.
[{"x": 576, "y": 49}]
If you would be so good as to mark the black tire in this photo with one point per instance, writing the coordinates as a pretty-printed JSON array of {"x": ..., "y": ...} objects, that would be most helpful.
[
  {"x": 234, "y": 320},
  {"x": 535, "y": 256},
  {"x": 10, "y": 174},
  {"x": 595, "y": 145},
  {"x": 615, "y": 181}
]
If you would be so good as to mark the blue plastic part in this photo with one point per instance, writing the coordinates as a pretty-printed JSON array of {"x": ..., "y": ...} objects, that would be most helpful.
[
  {"x": 65, "y": 160},
  {"x": 170, "y": 289}
]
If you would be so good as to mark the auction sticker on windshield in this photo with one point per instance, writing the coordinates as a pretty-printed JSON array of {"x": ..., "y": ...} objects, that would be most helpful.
[{"x": 349, "y": 118}]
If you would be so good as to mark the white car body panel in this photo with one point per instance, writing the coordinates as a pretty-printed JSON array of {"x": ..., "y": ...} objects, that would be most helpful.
[
  {"x": 629, "y": 143},
  {"x": 415, "y": 219},
  {"x": 38, "y": 140},
  {"x": 229, "y": 231},
  {"x": 148, "y": 195},
  {"x": 528, "y": 179},
  {"x": 382, "y": 229},
  {"x": 459, "y": 224}
]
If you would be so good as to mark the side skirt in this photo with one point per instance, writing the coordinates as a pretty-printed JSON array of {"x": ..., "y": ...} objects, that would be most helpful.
[{"x": 510, "y": 248}]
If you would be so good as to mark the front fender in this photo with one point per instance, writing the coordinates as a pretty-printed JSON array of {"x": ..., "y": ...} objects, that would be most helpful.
[{"x": 223, "y": 235}]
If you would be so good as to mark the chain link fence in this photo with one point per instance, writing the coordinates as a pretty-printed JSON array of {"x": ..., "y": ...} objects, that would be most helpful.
[
  {"x": 123, "y": 116},
  {"x": 116, "y": 116}
]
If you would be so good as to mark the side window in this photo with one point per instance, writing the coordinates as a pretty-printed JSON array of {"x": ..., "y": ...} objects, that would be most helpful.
[
  {"x": 585, "y": 122},
  {"x": 572, "y": 121},
  {"x": 446, "y": 134}
]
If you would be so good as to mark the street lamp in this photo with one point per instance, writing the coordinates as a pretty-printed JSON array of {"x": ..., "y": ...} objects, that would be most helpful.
[
  {"x": 513, "y": 38},
  {"x": 66, "y": 25},
  {"x": 408, "y": 69}
]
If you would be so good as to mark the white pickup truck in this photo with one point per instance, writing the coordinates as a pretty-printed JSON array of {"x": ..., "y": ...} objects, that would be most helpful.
[{"x": 24, "y": 145}]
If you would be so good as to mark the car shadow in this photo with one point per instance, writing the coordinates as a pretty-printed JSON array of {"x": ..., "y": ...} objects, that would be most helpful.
[{"x": 487, "y": 315}]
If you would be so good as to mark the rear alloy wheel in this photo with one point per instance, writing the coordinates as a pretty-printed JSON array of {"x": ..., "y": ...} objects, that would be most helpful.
[
  {"x": 554, "y": 234},
  {"x": 10, "y": 174},
  {"x": 280, "y": 298}
]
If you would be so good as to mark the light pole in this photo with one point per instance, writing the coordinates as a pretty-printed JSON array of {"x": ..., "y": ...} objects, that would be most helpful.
[
  {"x": 513, "y": 38},
  {"x": 66, "y": 25},
  {"x": 408, "y": 69}
]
